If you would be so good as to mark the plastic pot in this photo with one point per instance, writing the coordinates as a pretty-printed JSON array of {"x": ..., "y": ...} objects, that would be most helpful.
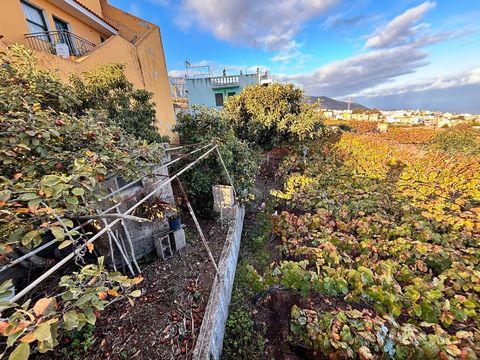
[{"x": 175, "y": 223}]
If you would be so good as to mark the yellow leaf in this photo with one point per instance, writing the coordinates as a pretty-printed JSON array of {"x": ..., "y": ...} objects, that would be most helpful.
[
  {"x": 21, "y": 352},
  {"x": 28, "y": 338},
  {"x": 41, "y": 306},
  {"x": 64, "y": 244},
  {"x": 113, "y": 293},
  {"x": 137, "y": 280},
  {"x": 90, "y": 247}
]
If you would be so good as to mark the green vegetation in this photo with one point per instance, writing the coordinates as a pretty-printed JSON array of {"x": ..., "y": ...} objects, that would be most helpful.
[
  {"x": 106, "y": 88},
  {"x": 460, "y": 139},
  {"x": 53, "y": 163},
  {"x": 77, "y": 342},
  {"x": 207, "y": 126},
  {"x": 389, "y": 237},
  {"x": 271, "y": 115},
  {"x": 245, "y": 340}
]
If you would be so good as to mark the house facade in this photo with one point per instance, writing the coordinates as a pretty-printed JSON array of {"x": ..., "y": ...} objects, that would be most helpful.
[
  {"x": 213, "y": 91},
  {"x": 73, "y": 36}
]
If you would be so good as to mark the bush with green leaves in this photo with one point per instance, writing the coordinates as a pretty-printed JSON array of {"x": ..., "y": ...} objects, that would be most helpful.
[
  {"x": 84, "y": 294},
  {"x": 272, "y": 115},
  {"x": 462, "y": 139},
  {"x": 107, "y": 88},
  {"x": 204, "y": 125},
  {"x": 52, "y": 165}
]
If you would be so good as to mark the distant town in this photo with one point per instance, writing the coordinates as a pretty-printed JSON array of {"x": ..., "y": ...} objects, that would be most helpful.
[{"x": 403, "y": 117}]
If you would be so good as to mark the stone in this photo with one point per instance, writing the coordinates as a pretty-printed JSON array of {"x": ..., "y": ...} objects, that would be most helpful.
[
  {"x": 227, "y": 213},
  {"x": 177, "y": 240},
  {"x": 223, "y": 196}
]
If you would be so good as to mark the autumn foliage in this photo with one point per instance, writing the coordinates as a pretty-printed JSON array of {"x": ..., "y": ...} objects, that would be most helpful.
[{"x": 383, "y": 239}]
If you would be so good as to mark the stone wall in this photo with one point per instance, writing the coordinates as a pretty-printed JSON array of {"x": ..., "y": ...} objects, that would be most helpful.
[{"x": 210, "y": 339}]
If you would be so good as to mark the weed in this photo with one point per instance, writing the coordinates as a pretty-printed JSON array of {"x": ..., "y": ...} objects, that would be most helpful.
[{"x": 76, "y": 342}]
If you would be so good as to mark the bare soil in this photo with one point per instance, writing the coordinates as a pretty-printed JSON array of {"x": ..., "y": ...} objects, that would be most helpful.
[{"x": 166, "y": 319}]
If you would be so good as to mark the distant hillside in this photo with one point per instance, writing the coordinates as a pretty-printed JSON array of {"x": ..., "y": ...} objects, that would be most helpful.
[{"x": 332, "y": 104}]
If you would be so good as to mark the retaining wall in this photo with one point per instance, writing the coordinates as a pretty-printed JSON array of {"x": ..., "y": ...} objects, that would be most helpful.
[{"x": 210, "y": 339}]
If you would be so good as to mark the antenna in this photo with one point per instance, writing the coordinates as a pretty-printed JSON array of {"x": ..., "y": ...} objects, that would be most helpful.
[{"x": 197, "y": 70}]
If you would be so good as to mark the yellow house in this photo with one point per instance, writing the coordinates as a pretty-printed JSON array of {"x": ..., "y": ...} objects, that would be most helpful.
[{"x": 72, "y": 36}]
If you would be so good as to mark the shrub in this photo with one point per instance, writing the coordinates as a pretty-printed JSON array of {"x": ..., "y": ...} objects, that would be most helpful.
[
  {"x": 206, "y": 125},
  {"x": 459, "y": 139},
  {"x": 52, "y": 164},
  {"x": 107, "y": 88},
  {"x": 271, "y": 115}
]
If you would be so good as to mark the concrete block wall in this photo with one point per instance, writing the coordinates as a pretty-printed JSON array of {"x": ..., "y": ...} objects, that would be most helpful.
[
  {"x": 210, "y": 339},
  {"x": 142, "y": 234}
]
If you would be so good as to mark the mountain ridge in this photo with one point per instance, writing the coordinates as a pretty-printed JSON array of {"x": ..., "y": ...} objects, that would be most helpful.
[{"x": 332, "y": 104}]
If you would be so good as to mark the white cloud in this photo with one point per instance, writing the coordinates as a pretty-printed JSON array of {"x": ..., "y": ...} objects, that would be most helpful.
[
  {"x": 467, "y": 77},
  {"x": 396, "y": 50},
  {"x": 360, "y": 72},
  {"x": 401, "y": 30},
  {"x": 176, "y": 73},
  {"x": 270, "y": 25}
]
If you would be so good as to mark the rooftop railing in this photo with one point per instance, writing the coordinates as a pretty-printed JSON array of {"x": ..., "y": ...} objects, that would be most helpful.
[
  {"x": 224, "y": 81},
  {"x": 48, "y": 41}
]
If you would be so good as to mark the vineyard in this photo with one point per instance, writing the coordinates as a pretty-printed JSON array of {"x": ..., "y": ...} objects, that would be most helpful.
[{"x": 380, "y": 239}]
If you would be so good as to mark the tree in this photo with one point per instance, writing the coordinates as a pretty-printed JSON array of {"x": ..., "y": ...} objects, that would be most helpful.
[
  {"x": 107, "y": 88},
  {"x": 207, "y": 125},
  {"x": 271, "y": 115}
]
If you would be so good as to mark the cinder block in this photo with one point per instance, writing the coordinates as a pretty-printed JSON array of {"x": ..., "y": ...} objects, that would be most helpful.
[
  {"x": 162, "y": 247},
  {"x": 177, "y": 239}
]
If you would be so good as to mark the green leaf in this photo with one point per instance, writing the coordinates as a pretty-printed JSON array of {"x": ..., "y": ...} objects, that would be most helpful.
[
  {"x": 136, "y": 293},
  {"x": 28, "y": 237},
  {"x": 78, "y": 191},
  {"x": 43, "y": 332},
  {"x": 65, "y": 244},
  {"x": 84, "y": 299},
  {"x": 50, "y": 180},
  {"x": 28, "y": 196},
  {"x": 21, "y": 352},
  {"x": 72, "y": 200},
  {"x": 58, "y": 232},
  {"x": 90, "y": 315},
  {"x": 68, "y": 223},
  {"x": 71, "y": 319}
]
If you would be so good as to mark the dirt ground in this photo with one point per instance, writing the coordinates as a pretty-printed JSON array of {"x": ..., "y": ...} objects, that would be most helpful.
[{"x": 166, "y": 319}]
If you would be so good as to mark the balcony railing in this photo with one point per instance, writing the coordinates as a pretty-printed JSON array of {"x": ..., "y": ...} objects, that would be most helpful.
[
  {"x": 224, "y": 81},
  {"x": 48, "y": 41},
  {"x": 123, "y": 30}
]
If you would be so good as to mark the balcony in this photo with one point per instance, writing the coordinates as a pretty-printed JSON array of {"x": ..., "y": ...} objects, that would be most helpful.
[
  {"x": 123, "y": 30},
  {"x": 224, "y": 82},
  {"x": 62, "y": 43}
]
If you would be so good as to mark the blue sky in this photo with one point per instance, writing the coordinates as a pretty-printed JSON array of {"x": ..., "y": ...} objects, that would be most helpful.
[{"x": 388, "y": 54}]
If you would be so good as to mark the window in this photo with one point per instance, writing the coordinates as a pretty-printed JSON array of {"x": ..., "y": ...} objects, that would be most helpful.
[
  {"x": 64, "y": 34},
  {"x": 35, "y": 19},
  {"x": 231, "y": 94},
  {"x": 219, "y": 99}
]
